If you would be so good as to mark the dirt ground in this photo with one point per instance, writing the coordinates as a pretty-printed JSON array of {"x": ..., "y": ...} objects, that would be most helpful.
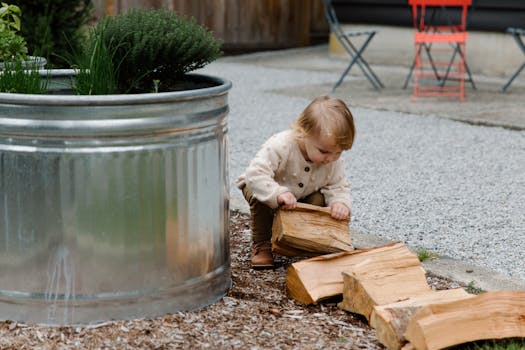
[{"x": 256, "y": 313}]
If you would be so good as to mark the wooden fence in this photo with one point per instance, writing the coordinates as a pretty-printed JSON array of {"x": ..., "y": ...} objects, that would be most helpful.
[{"x": 243, "y": 25}]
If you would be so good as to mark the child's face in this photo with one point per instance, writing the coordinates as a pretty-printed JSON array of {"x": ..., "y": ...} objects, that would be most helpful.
[{"x": 321, "y": 149}]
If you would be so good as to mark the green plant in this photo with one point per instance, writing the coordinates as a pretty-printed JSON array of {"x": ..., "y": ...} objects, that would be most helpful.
[
  {"x": 19, "y": 78},
  {"x": 97, "y": 74},
  {"x": 13, "y": 46},
  {"x": 494, "y": 344},
  {"x": 10, "y": 17},
  {"x": 473, "y": 289},
  {"x": 424, "y": 254},
  {"x": 56, "y": 27},
  {"x": 154, "y": 49}
]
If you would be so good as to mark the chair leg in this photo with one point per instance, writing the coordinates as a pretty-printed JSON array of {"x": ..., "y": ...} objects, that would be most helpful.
[
  {"x": 517, "y": 37},
  {"x": 344, "y": 74},
  {"x": 363, "y": 64},
  {"x": 409, "y": 74},
  {"x": 449, "y": 67},
  {"x": 358, "y": 59},
  {"x": 467, "y": 69},
  {"x": 436, "y": 73},
  {"x": 416, "y": 73},
  {"x": 412, "y": 68},
  {"x": 362, "y": 61},
  {"x": 355, "y": 60},
  {"x": 431, "y": 60},
  {"x": 504, "y": 88},
  {"x": 425, "y": 67},
  {"x": 458, "y": 50},
  {"x": 378, "y": 82},
  {"x": 411, "y": 71},
  {"x": 462, "y": 68}
]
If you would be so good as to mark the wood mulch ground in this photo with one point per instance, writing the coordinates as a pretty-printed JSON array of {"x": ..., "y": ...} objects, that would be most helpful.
[{"x": 256, "y": 313}]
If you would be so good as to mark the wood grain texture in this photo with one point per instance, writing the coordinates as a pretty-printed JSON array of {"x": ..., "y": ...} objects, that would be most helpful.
[
  {"x": 492, "y": 315},
  {"x": 249, "y": 24},
  {"x": 386, "y": 278},
  {"x": 312, "y": 280},
  {"x": 309, "y": 230},
  {"x": 391, "y": 320}
]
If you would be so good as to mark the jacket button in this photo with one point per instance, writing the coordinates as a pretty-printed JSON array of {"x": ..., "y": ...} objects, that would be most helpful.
[
  {"x": 307, "y": 169},
  {"x": 301, "y": 184}
]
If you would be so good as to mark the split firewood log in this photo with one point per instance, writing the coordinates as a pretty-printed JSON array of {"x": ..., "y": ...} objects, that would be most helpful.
[
  {"x": 312, "y": 280},
  {"x": 492, "y": 315},
  {"x": 386, "y": 278},
  {"x": 309, "y": 230},
  {"x": 391, "y": 320}
]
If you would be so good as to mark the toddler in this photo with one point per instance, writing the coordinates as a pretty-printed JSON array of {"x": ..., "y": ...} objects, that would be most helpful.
[{"x": 300, "y": 164}]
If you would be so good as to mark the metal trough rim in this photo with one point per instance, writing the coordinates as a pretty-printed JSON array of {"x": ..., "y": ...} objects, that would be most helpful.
[{"x": 223, "y": 86}]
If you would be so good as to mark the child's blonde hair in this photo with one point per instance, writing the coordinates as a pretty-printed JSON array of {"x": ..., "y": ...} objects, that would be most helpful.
[{"x": 327, "y": 114}]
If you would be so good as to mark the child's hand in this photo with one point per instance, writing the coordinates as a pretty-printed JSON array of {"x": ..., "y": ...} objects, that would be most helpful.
[
  {"x": 287, "y": 200},
  {"x": 339, "y": 211}
]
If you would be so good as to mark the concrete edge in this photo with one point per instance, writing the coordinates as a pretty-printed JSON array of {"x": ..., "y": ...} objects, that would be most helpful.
[{"x": 472, "y": 276}]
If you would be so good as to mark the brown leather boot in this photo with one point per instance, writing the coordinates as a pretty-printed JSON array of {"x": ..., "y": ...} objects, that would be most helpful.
[{"x": 262, "y": 257}]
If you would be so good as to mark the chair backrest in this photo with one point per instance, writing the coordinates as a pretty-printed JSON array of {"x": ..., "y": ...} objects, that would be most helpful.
[{"x": 440, "y": 15}]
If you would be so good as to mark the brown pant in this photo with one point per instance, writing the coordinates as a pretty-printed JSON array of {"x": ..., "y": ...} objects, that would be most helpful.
[{"x": 261, "y": 215}]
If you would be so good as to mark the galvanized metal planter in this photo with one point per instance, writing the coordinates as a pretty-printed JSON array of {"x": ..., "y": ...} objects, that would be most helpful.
[
  {"x": 34, "y": 62},
  {"x": 113, "y": 207}
]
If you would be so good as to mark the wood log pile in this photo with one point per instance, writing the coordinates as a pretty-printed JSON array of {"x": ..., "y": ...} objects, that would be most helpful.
[{"x": 388, "y": 286}]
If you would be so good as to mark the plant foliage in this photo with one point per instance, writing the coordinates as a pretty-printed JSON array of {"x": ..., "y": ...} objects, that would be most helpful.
[
  {"x": 9, "y": 17},
  {"x": 13, "y": 46},
  {"x": 156, "y": 48},
  {"x": 96, "y": 73},
  {"x": 424, "y": 254},
  {"x": 493, "y": 344},
  {"x": 17, "y": 77},
  {"x": 52, "y": 27}
]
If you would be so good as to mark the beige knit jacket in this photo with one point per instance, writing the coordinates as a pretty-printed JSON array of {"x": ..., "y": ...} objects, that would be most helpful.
[{"x": 279, "y": 167}]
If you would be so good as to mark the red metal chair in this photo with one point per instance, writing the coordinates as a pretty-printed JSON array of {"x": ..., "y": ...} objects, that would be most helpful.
[{"x": 439, "y": 65}]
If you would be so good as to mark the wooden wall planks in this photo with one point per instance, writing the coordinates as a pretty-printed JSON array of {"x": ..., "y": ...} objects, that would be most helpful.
[{"x": 243, "y": 25}]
